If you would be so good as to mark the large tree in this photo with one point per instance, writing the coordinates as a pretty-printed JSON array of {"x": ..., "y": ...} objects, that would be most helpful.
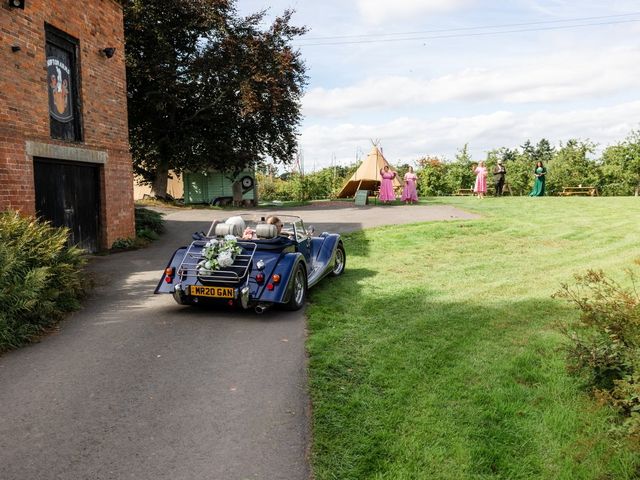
[
  {"x": 571, "y": 166},
  {"x": 208, "y": 89},
  {"x": 621, "y": 167}
]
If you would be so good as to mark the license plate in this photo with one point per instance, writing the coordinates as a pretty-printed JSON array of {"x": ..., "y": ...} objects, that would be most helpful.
[{"x": 215, "y": 292}]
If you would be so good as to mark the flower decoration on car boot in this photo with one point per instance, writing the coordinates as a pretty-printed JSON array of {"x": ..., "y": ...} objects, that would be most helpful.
[{"x": 218, "y": 254}]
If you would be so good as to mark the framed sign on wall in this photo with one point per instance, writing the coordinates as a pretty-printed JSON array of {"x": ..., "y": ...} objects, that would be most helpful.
[{"x": 62, "y": 85}]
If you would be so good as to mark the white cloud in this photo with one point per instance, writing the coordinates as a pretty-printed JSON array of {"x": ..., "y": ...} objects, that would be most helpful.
[
  {"x": 379, "y": 11},
  {"x": 371, "y": 93},
  {"x": 433, "y": 96},
  {"x": 551, "y": 78},
  {"x": 407, "y": 138}
]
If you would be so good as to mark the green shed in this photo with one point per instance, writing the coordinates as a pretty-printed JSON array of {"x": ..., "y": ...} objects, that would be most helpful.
[{"x": 216, "y": 188}]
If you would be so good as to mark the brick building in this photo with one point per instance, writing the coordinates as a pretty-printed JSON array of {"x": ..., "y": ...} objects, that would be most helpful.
[{"x": 64, "y": 149}]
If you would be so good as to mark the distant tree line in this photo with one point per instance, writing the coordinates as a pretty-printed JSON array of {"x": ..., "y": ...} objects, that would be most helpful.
[
  {"x": 325, "y": 183},
  {"x": 615, "y": 172}
]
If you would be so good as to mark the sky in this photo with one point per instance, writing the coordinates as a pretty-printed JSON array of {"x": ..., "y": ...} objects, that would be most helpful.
[{"x": 425, "y": 77}]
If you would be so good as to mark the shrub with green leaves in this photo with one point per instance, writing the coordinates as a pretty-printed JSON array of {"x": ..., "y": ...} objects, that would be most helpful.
[
  {"x": 148, "y": 221},
  {"x": 123, "y": 244},
  {"x": 41, "y": 278},
  {"x": 149, "y": 226},
  {"x": 147, "y": 234},
  {"x": 604, "y": 343}
]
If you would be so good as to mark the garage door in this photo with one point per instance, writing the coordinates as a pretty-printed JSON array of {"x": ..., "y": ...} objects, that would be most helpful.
[{"x": 68, "y": 194}]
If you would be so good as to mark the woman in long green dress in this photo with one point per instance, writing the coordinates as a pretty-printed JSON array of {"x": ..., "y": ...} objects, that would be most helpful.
[{"x": 538, "y": 188}]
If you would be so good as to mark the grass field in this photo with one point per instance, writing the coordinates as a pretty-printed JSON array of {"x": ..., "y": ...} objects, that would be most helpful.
[{"x": 437, "y": 354}]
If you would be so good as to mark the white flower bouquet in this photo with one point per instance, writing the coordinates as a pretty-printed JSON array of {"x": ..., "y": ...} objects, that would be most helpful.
[{"x": 218, "y": 254}]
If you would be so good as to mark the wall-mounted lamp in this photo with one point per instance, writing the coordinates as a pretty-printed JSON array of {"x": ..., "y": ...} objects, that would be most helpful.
[
  {"x": 17, "y": 3},
  {"x": 109, "y": 52},
  {"x": 15, "y": 48}
]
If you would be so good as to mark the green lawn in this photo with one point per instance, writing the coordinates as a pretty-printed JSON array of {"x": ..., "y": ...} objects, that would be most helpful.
[{"x": 437, "y": 355}]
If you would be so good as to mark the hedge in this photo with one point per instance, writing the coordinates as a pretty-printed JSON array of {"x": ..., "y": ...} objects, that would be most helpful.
[{"x": 41, "y": 278}]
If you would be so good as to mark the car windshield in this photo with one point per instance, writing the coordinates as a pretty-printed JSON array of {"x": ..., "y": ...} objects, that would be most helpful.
[{"x": 249, "y": 226}]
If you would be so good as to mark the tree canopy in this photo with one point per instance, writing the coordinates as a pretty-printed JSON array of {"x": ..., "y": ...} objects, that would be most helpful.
[{"x": 208, "y": 89}]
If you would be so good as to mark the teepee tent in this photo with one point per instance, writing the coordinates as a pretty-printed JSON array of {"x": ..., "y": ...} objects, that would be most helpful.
[{"x": 367, "y": 176}]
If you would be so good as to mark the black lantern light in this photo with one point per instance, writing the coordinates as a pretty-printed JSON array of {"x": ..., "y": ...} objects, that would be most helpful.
[
  {"x": 17, "y": 3},
  {"x": 109, "y": 52}
]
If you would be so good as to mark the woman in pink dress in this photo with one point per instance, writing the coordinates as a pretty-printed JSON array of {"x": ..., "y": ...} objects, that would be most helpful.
[
  {"x": 481, "y": 180},
  {"x": 409, "y": 192},
  {"x": 386, "y": 185}
]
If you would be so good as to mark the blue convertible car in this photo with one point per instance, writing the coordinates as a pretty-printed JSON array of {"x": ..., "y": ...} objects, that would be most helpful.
[{"x": 253, "y": 262}]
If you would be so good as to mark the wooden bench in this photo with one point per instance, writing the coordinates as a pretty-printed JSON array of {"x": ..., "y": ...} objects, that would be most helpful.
[
  {"x": 464, "y": 191},
  {"x": 582, "y": 191}
]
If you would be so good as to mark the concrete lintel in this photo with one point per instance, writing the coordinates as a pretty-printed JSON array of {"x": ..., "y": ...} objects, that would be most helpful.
[{"x": 46, "y": 150}]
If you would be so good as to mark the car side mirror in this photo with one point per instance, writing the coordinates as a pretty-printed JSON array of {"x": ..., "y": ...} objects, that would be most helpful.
[{"x": 311, "y": 230}]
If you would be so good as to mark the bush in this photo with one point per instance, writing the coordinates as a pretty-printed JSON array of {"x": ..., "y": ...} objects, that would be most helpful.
[
  {"x": 270, "y": 188},
  {"x": 123, "y": 244},
  {"x": 432, "y": 178},
  {"x": 41, "y": 278},
  {"x": 147, "y": 234},
  {"x": 148, "y": 220},
  {"x": 149, "y": 226},
  {"x": 604, "y": 344}
]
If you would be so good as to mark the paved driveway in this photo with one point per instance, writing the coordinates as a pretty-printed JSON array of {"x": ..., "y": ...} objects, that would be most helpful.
[{"x": 136, "y": 386}]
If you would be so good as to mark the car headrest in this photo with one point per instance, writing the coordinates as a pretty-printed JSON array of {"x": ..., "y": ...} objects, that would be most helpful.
[
  {"x": 238, "y": 224},
  {"x": 266, "y": 230},
  {"x": 223, "y": 229}
]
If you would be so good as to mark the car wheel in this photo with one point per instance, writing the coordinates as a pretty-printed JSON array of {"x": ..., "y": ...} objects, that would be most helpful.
[
  {"x": 341, "y": 260},
  {"x": 298, "y": 290}
]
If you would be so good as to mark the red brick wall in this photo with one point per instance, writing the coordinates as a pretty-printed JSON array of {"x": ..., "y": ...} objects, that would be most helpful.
[{"x": 24, "y": 114}]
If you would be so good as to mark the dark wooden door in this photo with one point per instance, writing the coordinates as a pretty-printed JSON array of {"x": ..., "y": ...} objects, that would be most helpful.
[{"x": 68, "y": 195}]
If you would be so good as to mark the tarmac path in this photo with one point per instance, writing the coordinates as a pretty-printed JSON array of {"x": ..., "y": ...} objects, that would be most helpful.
[{"x": 134, "y": 386}]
